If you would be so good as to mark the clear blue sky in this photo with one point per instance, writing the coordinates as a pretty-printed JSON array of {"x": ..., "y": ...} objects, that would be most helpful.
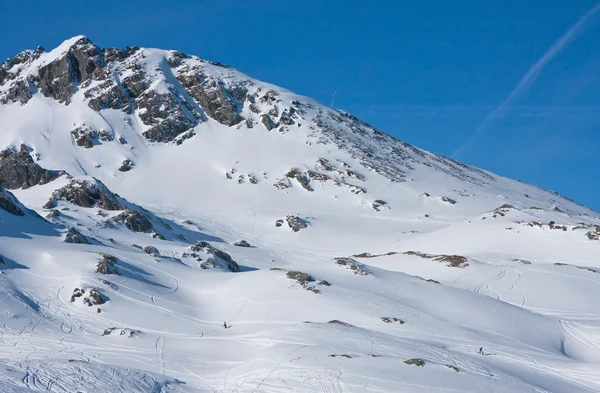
[{"x": 427, "y": 72}]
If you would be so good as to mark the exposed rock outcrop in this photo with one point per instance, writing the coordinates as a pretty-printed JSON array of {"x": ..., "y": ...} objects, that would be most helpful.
[
  {"x": 134, "y": 221},
  {"x": 107, "y": 265},
  {"x": 86, "y": 193},
  {"x": 75, "y": 237},
  {"x": 296, "y": 223},
  {"x": 18, "y": 170},
  {"x": 9, "y": 203},
  {"x": 216, "y": 259},
  {"x": 82, "y": 61}
]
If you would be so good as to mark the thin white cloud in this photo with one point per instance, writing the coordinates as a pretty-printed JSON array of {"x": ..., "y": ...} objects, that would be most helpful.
[{"x": 531, "y": 74}]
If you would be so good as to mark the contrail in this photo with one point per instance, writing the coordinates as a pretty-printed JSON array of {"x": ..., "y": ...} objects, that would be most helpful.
[{"x": 532, "y": 73}]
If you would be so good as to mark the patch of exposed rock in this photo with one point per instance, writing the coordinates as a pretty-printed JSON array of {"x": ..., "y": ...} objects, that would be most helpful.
[
  {"x": 306, "y": 281},
  {"x": 450, "y": 260},
  {"x": 378, "y": 205},
  {"x": 296, "y": 223},
  {"x": 242, "y": 243},
  {"x": 168, "y": 115},
  {"x": 134, "y": 221},
  {"x": 9, "y": 203},
  {"x": 216, "y": 259},
  {"x": 89, "y": 296},
  {"x": 221, "y": 102},
  {"x": 352, "y": 265},
  {"x": 126, "y": 165},
  {"x": 129, "y": 333},
  {"x": 107, "y": 265},
  {"x": 86, "y": 193},
  {"x": 82, "y": 61},
  {"x": 18, "y": 170},
  {"x": 75, "y": 237},
  {"x": 152, "y": 251}
]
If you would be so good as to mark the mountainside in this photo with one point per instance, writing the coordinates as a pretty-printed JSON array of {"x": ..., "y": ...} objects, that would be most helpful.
[{"x": 147, "y": 196}]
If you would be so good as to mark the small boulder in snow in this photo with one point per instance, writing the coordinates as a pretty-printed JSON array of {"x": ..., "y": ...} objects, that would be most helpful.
[
  {"x": 152, "y": 251},
  {"x": 242, "y": 243}
]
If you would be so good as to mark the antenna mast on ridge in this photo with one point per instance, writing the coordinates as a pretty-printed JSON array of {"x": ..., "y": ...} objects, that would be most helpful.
[{"x": 333, "y": 99}]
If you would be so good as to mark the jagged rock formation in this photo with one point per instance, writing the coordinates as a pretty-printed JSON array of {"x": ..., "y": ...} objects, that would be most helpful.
[{"x": 18, "y": 170}]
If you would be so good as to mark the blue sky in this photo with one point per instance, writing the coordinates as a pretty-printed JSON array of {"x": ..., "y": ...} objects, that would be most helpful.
[{"x": 427, "y": 72}]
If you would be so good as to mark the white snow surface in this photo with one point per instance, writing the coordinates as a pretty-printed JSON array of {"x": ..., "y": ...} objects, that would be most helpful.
[{"x": 526, "y": 291}]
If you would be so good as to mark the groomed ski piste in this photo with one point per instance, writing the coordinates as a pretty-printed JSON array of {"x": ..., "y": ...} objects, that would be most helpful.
[{"x": 368, "y": 265}]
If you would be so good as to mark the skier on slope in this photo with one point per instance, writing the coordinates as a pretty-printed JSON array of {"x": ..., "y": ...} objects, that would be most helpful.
[
  {"x": 225, "y": 324},
  {"x": 481, "y": 351}
]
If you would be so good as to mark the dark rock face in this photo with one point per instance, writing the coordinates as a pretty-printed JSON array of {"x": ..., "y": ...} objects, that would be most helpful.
[
  {"x": 18, "y": 170},
  {"x": 86, "y": 194},
  {"x": 123, "y": 84},
  {"x": 168, "y": 115},
  {"x": 107, "y": 265},
  {"x": 58, "y": 79},
  {"x": 296, "y": 223},
  {"x": 218, "y": 101},
  {"x": 18, "y": 92},
  {"x": 9, "y": 203},
  {"x": 134, "y": 221},
  {"x": 76, "y": 237}
]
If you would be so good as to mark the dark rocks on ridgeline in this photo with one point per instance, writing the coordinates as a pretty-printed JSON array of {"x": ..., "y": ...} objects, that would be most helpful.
[{"x": 82, "y": 61}]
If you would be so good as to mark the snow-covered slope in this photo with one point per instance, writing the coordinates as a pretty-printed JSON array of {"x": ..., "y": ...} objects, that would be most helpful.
[{"x": 179, "y": 193}]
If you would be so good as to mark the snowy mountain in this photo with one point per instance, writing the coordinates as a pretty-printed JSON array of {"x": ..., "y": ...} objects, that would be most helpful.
[{"x": 149, "y": 196}]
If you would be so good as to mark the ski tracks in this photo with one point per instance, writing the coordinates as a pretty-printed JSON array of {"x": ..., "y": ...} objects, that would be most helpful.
[{"x": 160, "y": 346}]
